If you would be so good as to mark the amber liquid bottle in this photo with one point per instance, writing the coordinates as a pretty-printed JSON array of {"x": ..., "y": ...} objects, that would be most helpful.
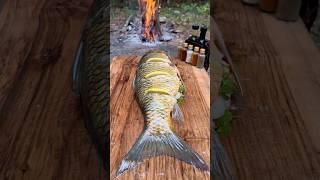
[
  {"x": 288, "y": 10},
  {"x": 269, "y": 6}
]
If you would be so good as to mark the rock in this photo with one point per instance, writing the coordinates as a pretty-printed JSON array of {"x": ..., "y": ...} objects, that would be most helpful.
[
  {"x": 129, "y": 19},
  {"x": 129, "y": 28},
  {"x": 165, "y": 37},
  {"x": 162, "y": 19},
  {"x": 220, "y": 105},
  {"x": 176, "y": 30},
  {"x": 176, "y": 12},
  {"x": 170, "y": 25}
]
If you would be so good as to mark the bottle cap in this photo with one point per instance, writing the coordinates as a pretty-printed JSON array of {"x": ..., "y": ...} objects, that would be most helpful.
[
  {"x": 196, "y": 49},
  {"x": 195, "y": 26},
  {"x": 185, "y": 45},
  {"x": 202, "y": 51},
  {"x": 203, "y": 28},
  {"x": 190, "y": 46}
]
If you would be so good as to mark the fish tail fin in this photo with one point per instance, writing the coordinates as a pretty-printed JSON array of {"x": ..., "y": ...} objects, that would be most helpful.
[
  {"x": 149, "y": 145},
  {"x": 220, "y": 162},
  {"x": 76, "y": 71}
]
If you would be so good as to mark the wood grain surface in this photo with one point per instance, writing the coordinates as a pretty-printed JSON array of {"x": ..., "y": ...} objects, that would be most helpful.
[
  {"x": 276, "y": 129},
  {"x": 127, "y": 122},
  {"x": 42, "y": 133}
]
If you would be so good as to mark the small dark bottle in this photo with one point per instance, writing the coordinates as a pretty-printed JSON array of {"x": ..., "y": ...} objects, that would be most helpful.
[
  {"x": 202, "y": 38},
  {"x": 194, "y": 34}
]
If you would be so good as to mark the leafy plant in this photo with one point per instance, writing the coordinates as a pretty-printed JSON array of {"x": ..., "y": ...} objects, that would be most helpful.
[
  {"x": 224, "y": 123},
  {"x": 197, "y": 12},
  {"x": 228, "y": 87}
]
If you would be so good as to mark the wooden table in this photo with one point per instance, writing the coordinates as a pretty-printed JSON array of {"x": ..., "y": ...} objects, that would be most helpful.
[
  {"x": 276, "y": 132},
  {"x": 42, "y": 133},
  {"x": 127, "y": 122}
]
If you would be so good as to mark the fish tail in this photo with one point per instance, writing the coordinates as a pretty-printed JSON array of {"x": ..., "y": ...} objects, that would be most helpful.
[
  {"x": 150, "y": 145},
  {"x": 220, "y": 162},
  {"x": 76, "y": 71}
]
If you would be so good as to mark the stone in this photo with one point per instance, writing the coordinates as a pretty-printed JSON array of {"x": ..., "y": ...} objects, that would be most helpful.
[
  {"x": 176, "y": 30},
  {"x": 176, "y": 12},
  {"x": 129, "y": 28},
  {"x": 162, "y": 19},
  {"x": 165, "y": 37}
]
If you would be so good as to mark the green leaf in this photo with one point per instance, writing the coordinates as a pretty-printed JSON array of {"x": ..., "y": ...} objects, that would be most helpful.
[
  {"x": 225, "y": 123},
  {"x": 181, "y": 88},
  {"x": 180, "y": 100},
  {"x": 228, "y": 87}
]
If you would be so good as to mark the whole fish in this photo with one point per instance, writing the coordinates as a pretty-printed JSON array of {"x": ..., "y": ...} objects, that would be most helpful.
[
  {"x": 159, "y": 90},
  {"x": 91, "y": 76}
]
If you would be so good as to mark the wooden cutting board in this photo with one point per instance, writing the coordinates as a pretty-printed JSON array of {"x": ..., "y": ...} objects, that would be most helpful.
[{"x": 127, "y": 122}]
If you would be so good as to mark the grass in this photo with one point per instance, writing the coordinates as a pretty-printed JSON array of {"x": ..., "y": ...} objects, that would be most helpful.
[
  {"x": 181, "y": 13},
  {"x": 188, "y": 13}
]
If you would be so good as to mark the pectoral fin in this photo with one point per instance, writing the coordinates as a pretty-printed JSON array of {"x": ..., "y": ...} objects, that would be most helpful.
[{"x": 177, "y": 113}]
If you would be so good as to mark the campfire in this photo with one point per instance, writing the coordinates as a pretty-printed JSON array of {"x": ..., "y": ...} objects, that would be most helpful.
[{"x": 151, "y": 29}]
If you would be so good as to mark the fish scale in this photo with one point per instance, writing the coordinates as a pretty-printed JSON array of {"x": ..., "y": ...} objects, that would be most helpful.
[{"x": 91, "y": 76}]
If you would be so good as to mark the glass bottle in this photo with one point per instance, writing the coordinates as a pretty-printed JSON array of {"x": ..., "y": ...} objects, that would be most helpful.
[
  {"x": 268, "y": 5},
  {"x": 201, "y": 58},
  {"x": 179, "y": 50},
  {"x": 189, "y": 53},
  {"x": 184, "y": 52},
  {"x": 251, "y": 2},
  {"x": 288, "y": 10},
  {"x": 202, "y": 38},
  {"x": 195, "y": 54},
  {"x": 194, "y": 34}
]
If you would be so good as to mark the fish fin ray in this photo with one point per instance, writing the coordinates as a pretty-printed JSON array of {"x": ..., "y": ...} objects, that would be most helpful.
[
  {"x": 149, "y": 145},
  {"x": 76, "y": 70},
  {"x": 177, "y": 113},
  {"x": 221, "y": 164}
]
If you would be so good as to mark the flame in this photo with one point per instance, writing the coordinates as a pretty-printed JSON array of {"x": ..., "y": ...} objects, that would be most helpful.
[{"x": 149, "y": 18}]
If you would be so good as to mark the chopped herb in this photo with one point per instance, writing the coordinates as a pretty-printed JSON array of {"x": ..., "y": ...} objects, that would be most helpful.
[
  {"x": 180, "y": 100},
  {"x": 181, "y": 88}
]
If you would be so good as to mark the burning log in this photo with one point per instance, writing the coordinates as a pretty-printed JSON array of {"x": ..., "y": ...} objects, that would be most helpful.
[{"x": 150, "y": 10}]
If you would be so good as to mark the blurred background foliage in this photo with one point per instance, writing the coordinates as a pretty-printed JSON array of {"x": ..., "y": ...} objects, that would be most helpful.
[{"x": 181, "y": 12}]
